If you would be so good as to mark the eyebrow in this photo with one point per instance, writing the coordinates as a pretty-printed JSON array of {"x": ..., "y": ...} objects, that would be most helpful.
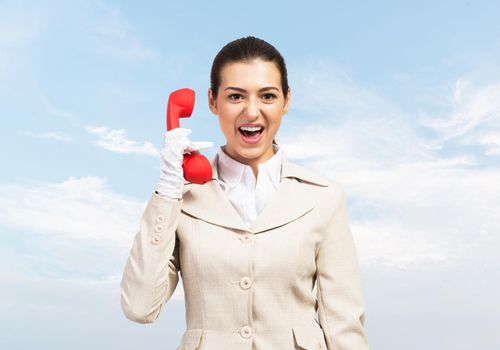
[{"x": 243, "y": 90}]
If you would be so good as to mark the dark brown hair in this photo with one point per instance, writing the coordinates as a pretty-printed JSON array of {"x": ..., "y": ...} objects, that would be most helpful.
[{"x": 247, "y": 49}]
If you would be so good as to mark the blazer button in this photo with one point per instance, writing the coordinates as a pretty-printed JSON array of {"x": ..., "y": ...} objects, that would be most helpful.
[
  {"x": 246, "y": 282},
  {"x": 246, "y": 331},
  {"x": 160, "y": 218},
  {"x": 159, "y": 228},
  {"x": 246, "y": 238}
]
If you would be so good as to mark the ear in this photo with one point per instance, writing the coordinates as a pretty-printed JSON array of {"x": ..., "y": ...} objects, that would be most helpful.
[
  {"x": 287, "y": 101},
  {"x": 212, "y": 103}
]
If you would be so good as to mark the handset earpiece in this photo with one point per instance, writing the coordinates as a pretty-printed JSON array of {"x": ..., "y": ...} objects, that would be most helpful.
[{"x": 196, "y": 167}]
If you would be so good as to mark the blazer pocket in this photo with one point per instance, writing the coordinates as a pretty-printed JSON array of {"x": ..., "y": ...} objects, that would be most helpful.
[
  {"x": 309, "y": 338},
  {"x": 190, "y": 339}
]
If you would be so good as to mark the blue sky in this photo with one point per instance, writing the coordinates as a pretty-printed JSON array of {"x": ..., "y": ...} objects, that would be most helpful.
[{"x": 398, "y": 101}]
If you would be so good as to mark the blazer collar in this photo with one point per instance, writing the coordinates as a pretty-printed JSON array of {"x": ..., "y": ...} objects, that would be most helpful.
[
  {"x": 293, "y": 198},
  {"x": 231, "y": 171}
]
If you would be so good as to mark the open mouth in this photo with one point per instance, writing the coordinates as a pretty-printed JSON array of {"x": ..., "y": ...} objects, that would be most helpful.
[{"x": 251, "y": 132}]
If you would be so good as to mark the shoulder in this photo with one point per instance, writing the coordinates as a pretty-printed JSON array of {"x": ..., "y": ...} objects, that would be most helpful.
[
  {"x": 328, "y": 194},
  {"x": 326, "y": 185},
  {"x": 306, "y": 174}
]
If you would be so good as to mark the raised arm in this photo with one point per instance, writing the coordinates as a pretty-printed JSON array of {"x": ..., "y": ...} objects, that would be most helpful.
[{"x": 151, "y": 272}]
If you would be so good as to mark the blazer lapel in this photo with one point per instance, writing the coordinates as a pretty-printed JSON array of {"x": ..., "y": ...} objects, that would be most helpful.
[
  {"x": 208, "y": 202},
  {"x": 292, "y": 199}
]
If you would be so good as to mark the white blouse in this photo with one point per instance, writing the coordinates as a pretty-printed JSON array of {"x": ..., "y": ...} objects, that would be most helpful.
[{"x": 248, "y": 194}]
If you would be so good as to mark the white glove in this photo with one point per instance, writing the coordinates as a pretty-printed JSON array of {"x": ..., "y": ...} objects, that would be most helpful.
[{"x": 176, "y": 143}]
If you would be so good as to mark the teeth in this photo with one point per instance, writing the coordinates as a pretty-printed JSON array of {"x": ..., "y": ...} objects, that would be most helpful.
[{"x": 253, "y": 128}]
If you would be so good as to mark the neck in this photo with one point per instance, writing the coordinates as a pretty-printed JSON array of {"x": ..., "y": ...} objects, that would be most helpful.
[{"x": 254, "y": 162}]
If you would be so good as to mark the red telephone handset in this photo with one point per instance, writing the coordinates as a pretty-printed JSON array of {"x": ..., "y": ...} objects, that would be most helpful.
[{"x": 197, "y": 168}]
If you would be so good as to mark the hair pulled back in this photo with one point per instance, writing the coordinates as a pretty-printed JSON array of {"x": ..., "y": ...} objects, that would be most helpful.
[{"x": 247, "y": 49}]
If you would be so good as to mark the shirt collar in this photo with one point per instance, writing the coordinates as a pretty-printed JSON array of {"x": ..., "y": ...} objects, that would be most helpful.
[{"x": 230, "y": 170}]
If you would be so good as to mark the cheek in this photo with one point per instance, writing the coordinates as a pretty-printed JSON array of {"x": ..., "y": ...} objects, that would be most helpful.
[
  {"x": 228, "y": 115},
  {"x": 227, "y": 124},
  {"x": 275, "y": 115},
  {"x": 274, "y": 111}
]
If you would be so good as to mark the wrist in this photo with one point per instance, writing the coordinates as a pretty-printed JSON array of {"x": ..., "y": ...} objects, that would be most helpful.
[{"x": 171, "y": 192}]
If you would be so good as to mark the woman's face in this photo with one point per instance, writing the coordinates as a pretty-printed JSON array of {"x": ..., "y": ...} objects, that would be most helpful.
[{"x": 250, "y": 93}]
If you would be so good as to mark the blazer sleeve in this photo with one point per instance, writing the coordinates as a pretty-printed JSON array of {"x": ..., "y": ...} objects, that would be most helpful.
[
  {"x": 151, "y": 272},
  {"x": 339, "y": 286}
]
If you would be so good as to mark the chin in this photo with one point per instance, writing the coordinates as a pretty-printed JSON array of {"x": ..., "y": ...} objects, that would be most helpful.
[{"x": 249, "y": 153}]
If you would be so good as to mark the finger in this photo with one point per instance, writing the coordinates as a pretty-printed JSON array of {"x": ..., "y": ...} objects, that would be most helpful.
[
  {"x": 177, "y": 133},
  {"x": 183, "y": 131},
  {"x": 201, "y": 144},
  {"x": 193, "y": 147}
]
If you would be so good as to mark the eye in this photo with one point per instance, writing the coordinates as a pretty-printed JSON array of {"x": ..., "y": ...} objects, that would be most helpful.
[
  {"x": 234, "y": 97},
  {"x": 269, "y": 96}
]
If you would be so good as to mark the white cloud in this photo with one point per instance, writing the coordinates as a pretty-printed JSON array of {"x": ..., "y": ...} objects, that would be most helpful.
[
  {"x": 51, "y": 135},
  {"x": 115, "y": 140},
  {"x": 475, "y": 112},
  {"x": 424, "y": 213},
  {"x": 75, "y": 209},
  {"x": 78, "y": 231},
  {"x": 492, "y": 142},
  {"x": 409, "y": 204}
]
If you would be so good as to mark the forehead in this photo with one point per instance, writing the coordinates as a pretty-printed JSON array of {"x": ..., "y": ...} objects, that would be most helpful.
[{"x": 254, "y": 73}]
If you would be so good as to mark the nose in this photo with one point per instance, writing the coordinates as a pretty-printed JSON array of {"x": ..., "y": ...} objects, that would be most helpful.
[{"x": 252, "y": 108}]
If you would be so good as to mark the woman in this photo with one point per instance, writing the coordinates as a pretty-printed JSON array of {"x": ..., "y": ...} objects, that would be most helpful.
[{"x": 250, "y": 244}]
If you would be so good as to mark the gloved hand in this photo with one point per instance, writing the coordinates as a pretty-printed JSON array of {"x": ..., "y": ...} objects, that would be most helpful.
[{"x": 176, "y": 143}]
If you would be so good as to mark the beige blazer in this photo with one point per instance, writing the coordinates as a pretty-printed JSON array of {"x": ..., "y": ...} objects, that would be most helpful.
[{"x": 251, "y": 287}]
